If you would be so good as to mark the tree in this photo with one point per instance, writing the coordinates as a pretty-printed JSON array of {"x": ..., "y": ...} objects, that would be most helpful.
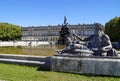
[
  {"x": 9, "y": 32},
  {"x": 112, "y": 28}
]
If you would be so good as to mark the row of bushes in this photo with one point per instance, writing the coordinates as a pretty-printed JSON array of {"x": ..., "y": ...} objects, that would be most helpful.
[{"x": 10, "y": 32}]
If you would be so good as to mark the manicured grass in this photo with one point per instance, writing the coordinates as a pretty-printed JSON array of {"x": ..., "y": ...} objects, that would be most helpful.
[{"x": 9, "y": 72}]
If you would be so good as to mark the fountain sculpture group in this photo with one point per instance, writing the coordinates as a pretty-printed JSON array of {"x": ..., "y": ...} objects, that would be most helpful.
[
  {"x": 92, "y": 55},
  {"x": 98, "y": 44}
]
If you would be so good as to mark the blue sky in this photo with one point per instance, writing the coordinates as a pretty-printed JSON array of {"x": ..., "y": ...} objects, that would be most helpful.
[{"x": 52, "y": 12}]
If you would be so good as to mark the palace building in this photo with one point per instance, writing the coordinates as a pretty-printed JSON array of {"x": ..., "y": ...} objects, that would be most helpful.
[{"x": 51, "y": 33}]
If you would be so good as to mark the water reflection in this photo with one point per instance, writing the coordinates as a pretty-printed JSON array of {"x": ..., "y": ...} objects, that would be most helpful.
[{"x": 43, "y": 50}]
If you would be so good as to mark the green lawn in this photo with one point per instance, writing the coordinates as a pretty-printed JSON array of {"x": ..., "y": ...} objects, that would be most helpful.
[{"x": 9, "y": 72}]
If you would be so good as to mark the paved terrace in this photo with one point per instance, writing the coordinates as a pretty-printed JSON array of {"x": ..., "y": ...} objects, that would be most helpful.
[{"x": 23, "y": 43}]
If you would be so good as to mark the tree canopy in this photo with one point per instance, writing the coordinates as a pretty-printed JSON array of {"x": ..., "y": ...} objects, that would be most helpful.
[
  {"x": 112, "y": 28},
  {"x": 9, "y": 32}
]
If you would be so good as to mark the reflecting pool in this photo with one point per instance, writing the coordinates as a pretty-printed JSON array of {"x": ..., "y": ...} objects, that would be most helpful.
[{"x": 43, "y": 50}]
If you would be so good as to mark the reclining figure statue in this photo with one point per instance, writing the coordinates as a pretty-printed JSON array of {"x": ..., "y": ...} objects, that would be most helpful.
[{"x": 98, "y": 44}]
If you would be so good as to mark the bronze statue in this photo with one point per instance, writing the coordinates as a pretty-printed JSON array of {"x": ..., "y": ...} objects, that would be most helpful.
[
  {"x": 98, "y": 44},
  {"x": 65, "y": 20},
  {"x": 64, "y": 33}
]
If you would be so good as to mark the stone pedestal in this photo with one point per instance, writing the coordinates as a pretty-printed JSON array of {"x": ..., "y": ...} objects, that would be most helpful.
[{"x": 87, "y": 65}]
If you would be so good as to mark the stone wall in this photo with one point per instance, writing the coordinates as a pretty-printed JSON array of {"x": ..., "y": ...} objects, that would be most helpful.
[{"x": 87, "y": 65}]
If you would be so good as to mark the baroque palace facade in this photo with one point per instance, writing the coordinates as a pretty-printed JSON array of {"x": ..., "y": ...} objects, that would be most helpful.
[{"x": 51, "y": 33}]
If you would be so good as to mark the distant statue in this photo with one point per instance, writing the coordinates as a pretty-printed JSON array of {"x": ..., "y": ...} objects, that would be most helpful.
[
  {"x": 65, "y": 20},
  {"x": 98, "y": 44},
  {"x": 64, "y": 33}
]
